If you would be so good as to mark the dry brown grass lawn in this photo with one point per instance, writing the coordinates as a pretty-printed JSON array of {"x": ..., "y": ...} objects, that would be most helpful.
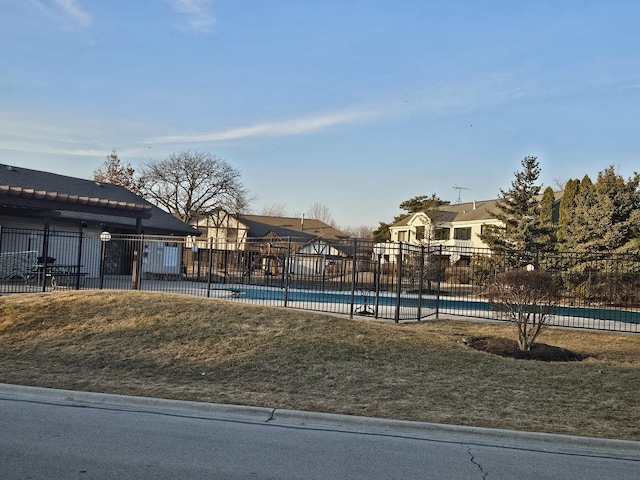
[{"x": 173, "y": 346}]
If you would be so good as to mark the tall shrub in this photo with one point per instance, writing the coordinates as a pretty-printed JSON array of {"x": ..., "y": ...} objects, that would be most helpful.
[{"x": 526, "y": 298}]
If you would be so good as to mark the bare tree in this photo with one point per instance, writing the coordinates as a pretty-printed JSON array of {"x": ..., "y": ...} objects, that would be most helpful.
[
  {"x": 361, "y": 231},
  {"x": 559, "y": 183},
  {"x": 321, "y": 212},
  {"x": 274, "y": 210},
  {"x": 113, "y": 171},
  {"x": 189, "y": 184},
  {"x": 527, "y": 298}
]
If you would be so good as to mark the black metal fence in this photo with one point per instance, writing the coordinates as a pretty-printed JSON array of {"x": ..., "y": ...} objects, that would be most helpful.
[{"x": 354, "y": 277}]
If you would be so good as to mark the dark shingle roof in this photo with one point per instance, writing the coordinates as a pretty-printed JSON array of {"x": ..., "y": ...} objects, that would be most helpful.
[
  {"x": 79, "y": 199},
  {"x": 261, "y": 225}
]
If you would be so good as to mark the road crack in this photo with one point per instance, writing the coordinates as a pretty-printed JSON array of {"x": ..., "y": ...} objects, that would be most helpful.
[
  {"x": 273, "y": 412},
  {"x": 473, "y": 460}
]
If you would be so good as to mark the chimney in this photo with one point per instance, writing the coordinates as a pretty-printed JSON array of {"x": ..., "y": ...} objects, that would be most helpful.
[
  {"x": 302, "y": 222},
  {"x": 474, "y": 204}
]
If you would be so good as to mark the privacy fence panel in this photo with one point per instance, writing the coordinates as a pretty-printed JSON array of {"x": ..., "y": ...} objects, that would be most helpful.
[{"x": 353, "y": 277}]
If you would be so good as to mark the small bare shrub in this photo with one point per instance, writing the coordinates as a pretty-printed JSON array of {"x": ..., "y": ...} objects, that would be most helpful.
[{"x": 527, "y": 298}]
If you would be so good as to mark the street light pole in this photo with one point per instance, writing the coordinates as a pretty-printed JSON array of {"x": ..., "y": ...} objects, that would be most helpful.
[{"x": 104, "y": 238}]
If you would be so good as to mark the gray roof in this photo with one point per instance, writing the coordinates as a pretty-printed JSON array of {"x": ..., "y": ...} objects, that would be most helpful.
[
  {"x": 34, "y": 192},
  {"x": 262, "y": 225},
  {"x": 464, "y": 212}
]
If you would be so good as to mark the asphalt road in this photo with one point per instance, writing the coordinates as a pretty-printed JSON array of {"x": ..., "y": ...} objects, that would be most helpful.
[{"x": 53, "y": 434}]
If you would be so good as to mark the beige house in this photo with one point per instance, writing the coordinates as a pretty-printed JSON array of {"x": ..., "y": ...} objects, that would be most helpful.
[
  {"x": 225, "y": 228},
  {"x": 264, "y": 241},
  {"x": 458, "y": 225}
]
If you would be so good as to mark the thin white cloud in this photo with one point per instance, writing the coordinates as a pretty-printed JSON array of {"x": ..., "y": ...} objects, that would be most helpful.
[
  {"x": 634, "y": 86},
  {"x": 72, "y": 10},
  {"x": 196, "y": 14},
  {"x": 42, "y": 134},
  {"x": 436, "y": 101},
  {"x": 49, "y": 150},
  {"x": 275, "y": 129},
  {"x": 63, "y": 135}
]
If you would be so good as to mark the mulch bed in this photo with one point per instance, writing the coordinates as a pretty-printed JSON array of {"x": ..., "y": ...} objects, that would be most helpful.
[{"x": 506, "y": 347}]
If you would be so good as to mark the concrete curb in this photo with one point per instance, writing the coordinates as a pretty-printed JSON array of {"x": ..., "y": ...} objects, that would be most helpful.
[
  {"x": 259, "y": 414},
  {"x": 477, "y": 434},
  {"x": 283, "y": 417}
]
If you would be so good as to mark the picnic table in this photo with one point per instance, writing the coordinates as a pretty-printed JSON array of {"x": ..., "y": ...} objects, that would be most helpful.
[{"x": 53, "y": 275}]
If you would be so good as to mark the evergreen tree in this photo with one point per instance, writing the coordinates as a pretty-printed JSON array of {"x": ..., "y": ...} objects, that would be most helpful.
[
  {"x": 547, "y": 239},
  {"x": 567, "y": 206},
  {"x": 382, "y": 233},
  {"x": 604, "y": 215},
  {"x": 519, "y": 211},
  {"x": 583, "y": 223},
  {"x": 423, "y": 203},
  {"x": 619, "y": 199}
]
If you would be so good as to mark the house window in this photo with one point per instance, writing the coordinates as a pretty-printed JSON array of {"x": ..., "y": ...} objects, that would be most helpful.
[
  {"x": 484, "y": 228},
  {"x": 402, "y": 236},
  {"x": 441, "y": 233},
  {"x": 420, "y": 233},
  {"x": 462, "y": 233}
]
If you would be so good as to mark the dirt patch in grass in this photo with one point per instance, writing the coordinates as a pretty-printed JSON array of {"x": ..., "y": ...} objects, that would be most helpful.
[{"x": 506, "y": 347}]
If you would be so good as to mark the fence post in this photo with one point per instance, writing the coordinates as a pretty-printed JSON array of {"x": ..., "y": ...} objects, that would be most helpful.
[
  {"x": 396, "y": 317},
  {"x": 102, "y": 255},
  {"x": 79, "y": 260},
  {"x": 285, "y": 272},
  {"x": 226, "y": 264},
  {"x": 210, "y": 267},
  {"x": 354, "y": 277},
  {"x": 45, "y": 253},
  {"x": 138, "y": 246},
  {"x": 438, "y": 274},
  {"x": 421, "y": 282}
]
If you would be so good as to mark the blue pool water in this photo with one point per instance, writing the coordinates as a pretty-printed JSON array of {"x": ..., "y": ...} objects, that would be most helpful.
[{"x": 445, "y": 304}]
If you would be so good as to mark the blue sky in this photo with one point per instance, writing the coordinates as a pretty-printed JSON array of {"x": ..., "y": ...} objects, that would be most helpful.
[{"x": 356, "y": 105}]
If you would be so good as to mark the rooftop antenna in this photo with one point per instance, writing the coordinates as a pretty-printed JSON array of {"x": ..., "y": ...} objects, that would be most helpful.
[{"x": 456, "y": 187}]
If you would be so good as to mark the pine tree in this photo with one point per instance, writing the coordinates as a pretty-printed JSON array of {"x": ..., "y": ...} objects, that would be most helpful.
[
  {"x": 567, "y": 206},
  {"x": 519, "y": 211},
  {"x": 583, "y": 226},
  {"x": 604, "y": 214},
  {"x": 423, "y": 203},
  {"x": 547, "y": 239}
]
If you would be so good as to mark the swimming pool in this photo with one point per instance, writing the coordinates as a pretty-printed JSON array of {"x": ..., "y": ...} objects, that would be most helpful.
[{"x": 409, "y": 305}]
